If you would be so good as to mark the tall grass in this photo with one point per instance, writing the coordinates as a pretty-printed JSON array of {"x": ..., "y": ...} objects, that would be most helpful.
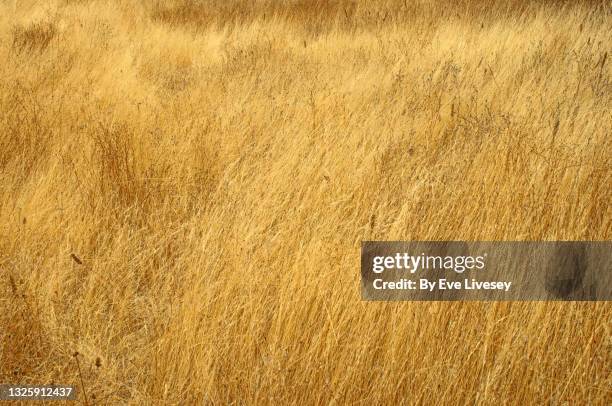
[{"x": 213, "y": 166}]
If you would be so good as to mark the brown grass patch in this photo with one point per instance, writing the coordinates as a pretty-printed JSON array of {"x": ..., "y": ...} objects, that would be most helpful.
[{"x": 34, "y": 37}]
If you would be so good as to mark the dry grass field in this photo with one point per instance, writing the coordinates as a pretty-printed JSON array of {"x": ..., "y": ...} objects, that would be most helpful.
[{"x": 184, "y": 186}]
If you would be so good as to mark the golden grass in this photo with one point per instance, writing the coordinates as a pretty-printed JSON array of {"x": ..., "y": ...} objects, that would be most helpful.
[{"x": 184, "y": 187}]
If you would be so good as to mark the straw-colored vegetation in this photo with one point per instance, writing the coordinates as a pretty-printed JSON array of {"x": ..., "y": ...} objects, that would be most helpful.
[{"x": 184, "y": 187}]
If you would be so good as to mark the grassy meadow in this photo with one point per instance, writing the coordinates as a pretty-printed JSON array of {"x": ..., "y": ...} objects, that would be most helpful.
[{"x": 184, "y": 187}]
